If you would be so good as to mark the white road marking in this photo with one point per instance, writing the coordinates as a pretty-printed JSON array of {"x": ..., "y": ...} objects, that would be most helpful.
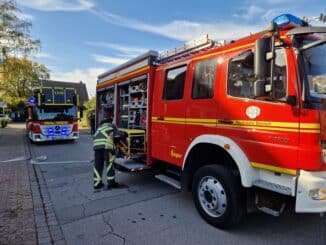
[
  {"x": 42, "y": 158},
  {"x": 63, "y": 162},
  {"x": 16, "y": 159}
]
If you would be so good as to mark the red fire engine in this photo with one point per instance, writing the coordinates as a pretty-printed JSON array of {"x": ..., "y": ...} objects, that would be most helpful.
[
  {"x": 236, "y": 123},
  {"x": 52, "y": 114}
]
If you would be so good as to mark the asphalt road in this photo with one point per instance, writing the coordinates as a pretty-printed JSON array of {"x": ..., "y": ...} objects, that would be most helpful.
[{"x": 148, "y": 211}]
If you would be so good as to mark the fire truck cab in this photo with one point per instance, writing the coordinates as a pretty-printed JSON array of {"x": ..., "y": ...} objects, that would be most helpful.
[
  {"x": 51, "y": 114},
  {"x": 236, "y": 123}
]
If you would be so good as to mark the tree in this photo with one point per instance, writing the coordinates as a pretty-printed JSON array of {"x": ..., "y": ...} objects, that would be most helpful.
[
  {"x": 18, "y": 75},
  {"x": 14, "y": 32},
  {"x": 91, "y": 104},
  {"x": 21, "y": 77}
]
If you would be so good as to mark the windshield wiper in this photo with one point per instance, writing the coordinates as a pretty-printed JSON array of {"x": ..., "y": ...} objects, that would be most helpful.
[
  {"x": 62, "y": 117},
  {"x": 313, "y": 44}
]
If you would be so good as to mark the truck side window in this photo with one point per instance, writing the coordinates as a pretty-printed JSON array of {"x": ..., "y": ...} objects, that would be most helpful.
[
  {"x": 241, "y": 75},
  {"x": 174, "y": 83},
  {"x": 280, "y": 78},
  {"x": 204, "y": 79}
]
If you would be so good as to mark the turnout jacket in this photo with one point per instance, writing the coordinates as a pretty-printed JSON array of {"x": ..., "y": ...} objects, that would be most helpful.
[{"x": 104, "y": 137}]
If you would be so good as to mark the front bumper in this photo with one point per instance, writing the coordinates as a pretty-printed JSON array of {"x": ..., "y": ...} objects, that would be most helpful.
[
  {"x": 311, "y": 189},
  {"x": 44, "y": 138}
]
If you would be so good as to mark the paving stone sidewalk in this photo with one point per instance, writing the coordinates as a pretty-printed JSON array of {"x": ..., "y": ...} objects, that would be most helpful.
[{"x": 17, "y": 225}]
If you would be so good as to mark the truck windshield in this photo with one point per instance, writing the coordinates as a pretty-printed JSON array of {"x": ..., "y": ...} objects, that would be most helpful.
[
  {"x": 314, "y": 57},
  {"x": 55, "y": 113}
]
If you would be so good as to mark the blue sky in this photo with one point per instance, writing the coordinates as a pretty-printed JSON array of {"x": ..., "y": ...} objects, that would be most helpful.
[{"x": 84, "y": 38}]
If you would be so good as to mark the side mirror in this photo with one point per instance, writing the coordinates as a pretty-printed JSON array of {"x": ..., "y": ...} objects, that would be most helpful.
[
  {"x": 74, "y": 99},
  {"x": 262, "y": 47},
  {"x": 261, "y": 88},
  {"x": 42, "y": 98},
  {"x": 81, "y": 112},
  {"x": 26, "y": 113},
  {"x": 291, "y": 100},
  {"x": 37, "y": 96}
]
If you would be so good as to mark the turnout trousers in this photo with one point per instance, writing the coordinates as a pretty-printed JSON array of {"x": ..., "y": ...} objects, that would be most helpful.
[{"x": 103, "y": 157}]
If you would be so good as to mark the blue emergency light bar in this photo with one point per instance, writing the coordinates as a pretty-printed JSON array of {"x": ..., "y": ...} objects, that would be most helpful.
[
  {"x": 32, "y": 100},
  {"x": 286, "y": 21}
]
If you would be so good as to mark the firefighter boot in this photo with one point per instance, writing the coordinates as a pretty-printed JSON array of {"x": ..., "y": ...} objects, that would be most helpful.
[
  {"x": 97, "y": 180},
  {"x": 110, "y": 170}
]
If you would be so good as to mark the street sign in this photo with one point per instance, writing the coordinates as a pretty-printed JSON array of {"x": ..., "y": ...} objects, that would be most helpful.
[{"x": 3, "y": 104}]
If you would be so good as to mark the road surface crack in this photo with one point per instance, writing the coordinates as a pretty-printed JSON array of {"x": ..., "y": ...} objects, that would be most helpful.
[
  {"x": 111, "y": 229},
  {"x": 74, "y": 182}
]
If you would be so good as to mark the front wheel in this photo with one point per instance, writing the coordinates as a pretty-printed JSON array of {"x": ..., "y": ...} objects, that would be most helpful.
[
  {"x": 218, "y": 196},
  {"x": 3, "y": 124}
]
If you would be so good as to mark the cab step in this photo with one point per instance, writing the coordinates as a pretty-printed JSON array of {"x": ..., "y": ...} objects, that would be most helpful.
[
  {"x": 271, "y": 211},
  {"x": 270, "y": 205},
  {"x": 130, "y": 165},
  {"x": 170, "y": 181}
]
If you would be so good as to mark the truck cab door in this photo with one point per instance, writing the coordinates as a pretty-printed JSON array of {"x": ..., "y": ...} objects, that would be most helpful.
[
  {"x": 266, "y": 129},
  {"x": 202, "y": 103},
  {"x": 168, "y": 114}
]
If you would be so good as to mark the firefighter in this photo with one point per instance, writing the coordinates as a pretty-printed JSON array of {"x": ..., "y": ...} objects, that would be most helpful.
[
  {"x": 104, "y": 149},
  {"x": 92, "y": 122}
]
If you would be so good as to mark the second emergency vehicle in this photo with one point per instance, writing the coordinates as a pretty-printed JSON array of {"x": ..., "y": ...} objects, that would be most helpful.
[{"x": 52, "y": 114}]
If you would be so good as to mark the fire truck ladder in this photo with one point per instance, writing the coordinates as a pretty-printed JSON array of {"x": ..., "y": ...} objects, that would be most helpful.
[{"x": 187, "y": 48}]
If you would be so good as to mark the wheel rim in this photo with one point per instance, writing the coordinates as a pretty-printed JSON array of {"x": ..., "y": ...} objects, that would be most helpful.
[{"x": 211, "y": 196}]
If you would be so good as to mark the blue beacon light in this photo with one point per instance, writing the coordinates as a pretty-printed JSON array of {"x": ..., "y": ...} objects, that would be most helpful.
[
  {"x": 286, "y": 21},
  {"x": 32, "y": 100}
]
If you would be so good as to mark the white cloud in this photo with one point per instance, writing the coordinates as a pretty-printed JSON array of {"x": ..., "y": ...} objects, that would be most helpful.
[
  {"x": 249, "y": 13},
  {"x": 109, "y": 59},
  {"x": 125, "y": 51},
  {"x": 279, "y": 1},
  {"x": 182, "y": 29},
  {"x": 24, "y": 16},
  {"x": 44, "y": 56},
  {"x": 58, "y": 5},
  {"x": 87, "y": 76}
]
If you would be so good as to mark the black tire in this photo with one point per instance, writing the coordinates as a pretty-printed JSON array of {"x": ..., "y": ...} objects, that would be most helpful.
[
  {"x": 218, "y": 196},
  {"x": 3, "y": 124}
]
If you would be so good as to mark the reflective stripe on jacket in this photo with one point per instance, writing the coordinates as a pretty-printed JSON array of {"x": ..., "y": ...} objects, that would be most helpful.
[{"x": 103, "y": 138}]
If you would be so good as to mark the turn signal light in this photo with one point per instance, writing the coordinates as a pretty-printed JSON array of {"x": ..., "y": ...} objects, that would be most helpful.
[
  {"x": 75, "y": 127},
  {"x": 36, "y": 128}
]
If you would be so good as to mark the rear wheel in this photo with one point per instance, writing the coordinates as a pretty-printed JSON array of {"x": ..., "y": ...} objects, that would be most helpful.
[{"x": 218, "y": 196}]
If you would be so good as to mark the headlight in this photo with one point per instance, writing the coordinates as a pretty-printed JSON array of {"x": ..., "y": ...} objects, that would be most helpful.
[
  {"x": 324, "y": 155},
  {"x": 318, "y": 194},
  {"x": 323, "y": 146}
]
